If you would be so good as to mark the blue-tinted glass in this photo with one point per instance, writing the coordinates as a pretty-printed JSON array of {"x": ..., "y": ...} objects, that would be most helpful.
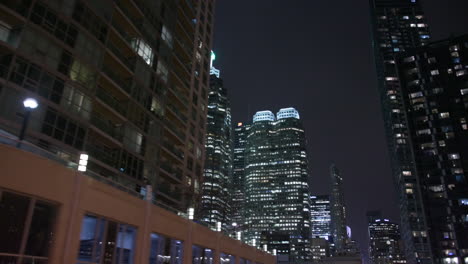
[
  {"x": 99, "y": 238},
  {"x": 227, "y": 259},
  {"x": 110, "y": 243},
  {"x": 177, "y": 252},
  {"x": 158, "y": 243},
  {"x": 196, "y": 255},
  {"x": 208, "y": 256},
  {"x": 87, "y": 236},
  {"x": 126, "y": 244},
  {"x": 242, "y": 261}
]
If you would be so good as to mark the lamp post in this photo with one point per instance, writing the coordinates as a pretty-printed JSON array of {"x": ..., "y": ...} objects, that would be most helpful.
[{"x": 29, "y": 104}]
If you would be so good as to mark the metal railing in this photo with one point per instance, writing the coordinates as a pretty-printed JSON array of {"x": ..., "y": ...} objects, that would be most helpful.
[
  {"x": 119, "y": 106},
  {"x": 107, "y": 126},
  {"x": 129, "y": 62},
  {"x": 125, "y": 84},
  {"x": 6, "y": 258}
]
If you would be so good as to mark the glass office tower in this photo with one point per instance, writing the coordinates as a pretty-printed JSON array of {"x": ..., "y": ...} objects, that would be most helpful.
[
  {"x": 338, "y": 211},
  {"x": 216, "y": 197},
  {"x": 276, "y": 183},
  {"x": 238, "y": 174},
  {"x": 320, "y": 216},
  {"x": 384, "y": 242}
]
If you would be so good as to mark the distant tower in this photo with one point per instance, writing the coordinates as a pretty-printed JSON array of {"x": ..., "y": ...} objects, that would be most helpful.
[
  {"x": 320, "y": 216},
  {"x": 238, "y": 175},
  {"x": 276, "y": 182},
  {"x": 338, "y": 210},
  {"x": 384, "y": 242},
  {"x": 215, "y": 201}
]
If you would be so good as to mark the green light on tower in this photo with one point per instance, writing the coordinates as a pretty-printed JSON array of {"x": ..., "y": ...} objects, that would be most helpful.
[{"x": 213, "y": 58}]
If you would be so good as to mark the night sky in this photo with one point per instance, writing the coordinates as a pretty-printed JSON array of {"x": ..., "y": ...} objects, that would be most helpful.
[{"x": 316, "y": 56}]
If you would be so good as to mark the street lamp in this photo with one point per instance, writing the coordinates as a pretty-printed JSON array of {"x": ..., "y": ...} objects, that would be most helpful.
[{"x": 29, "y": 104}]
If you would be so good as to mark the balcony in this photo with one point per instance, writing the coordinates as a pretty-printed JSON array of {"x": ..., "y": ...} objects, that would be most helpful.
[
  {"x": 177, "y": 92},
  {"x": 136, "y": 22},
  {"x": 177, "y": 131},
  {"x": 174, "y": 110},
  {"x": 173, "y": 150},
  {"x": 124, "y": 84},
  {"x": 129, "y": 62},
  {"x": 175, "y": 173},
  {"x": 107, "y": 126},
  {"x": 103, "y": 154},
  {"x": 111, "y": 101}
]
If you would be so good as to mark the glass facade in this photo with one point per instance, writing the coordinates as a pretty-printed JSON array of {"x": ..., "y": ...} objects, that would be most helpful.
[
  {"x": 227, "y": 259},
  {"x": 238, "y": 173},
  {"x": 118, "y": 80},
  {"x": 216, "y": 199},
  {"x": 202, "y": 255},
  {"x": 338, "y": 211},
  {"x": 384, "y": 242},
  {"x": 276, "y": 183},
  {"x": 26, "y": 228},
  {"x": 399, "y": 25},
  {"x": 165, "y": 250},
  {"x": 105, "y": 241},
  {"x": 434, "y": 81},
  {"x": 320, "y": 216}
]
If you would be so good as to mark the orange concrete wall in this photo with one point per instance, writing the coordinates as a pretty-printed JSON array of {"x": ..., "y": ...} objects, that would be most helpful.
[{"x": 77, "y": 194}]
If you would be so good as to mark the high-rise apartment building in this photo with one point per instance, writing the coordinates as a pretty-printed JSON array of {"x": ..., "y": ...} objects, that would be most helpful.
[
  {"x": 216, "y": 200},
  {"x": 124, "y": 81},
  {"x": 276, "y": 182},
  {"x": 398, "y": 25},
  {"x": 338, "y": 210},
  {"x": 384, "y": 242},
  {"x": 320, "y": 216},
  {"x": 238, "y": 174},
  {"x": 434, "y": 86}
]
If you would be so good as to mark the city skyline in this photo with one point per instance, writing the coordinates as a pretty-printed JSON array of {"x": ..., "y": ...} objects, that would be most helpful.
[
  {"x": 335, "y": 126},
  {"x": 336, "y": 132}
]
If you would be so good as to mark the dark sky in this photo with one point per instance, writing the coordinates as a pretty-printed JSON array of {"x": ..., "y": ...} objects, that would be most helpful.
[{"x": 316, "y": 56}]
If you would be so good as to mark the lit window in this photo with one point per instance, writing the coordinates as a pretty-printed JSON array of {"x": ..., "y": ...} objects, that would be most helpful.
[
  {"x": 143, "y": 50},
  {"x": 162, "y": 71},
  {"x": 166, "y": 36}
]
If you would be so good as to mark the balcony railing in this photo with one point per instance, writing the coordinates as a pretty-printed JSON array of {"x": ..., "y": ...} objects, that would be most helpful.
[
  {"x": 127, "y": 61},
  {"x": 177, "y": 112},
  {"x": 174, "y": 150},
  {"x": 175, "y": 130},
  {"x": 176, "y": 173},
  {"x": 107, "y": 126},
  {"x": 125, "y": 84},
  {"x": 119, "y": 106},
  {"x": 6, "y": 258},
  {"x": 136, "y": 22}
]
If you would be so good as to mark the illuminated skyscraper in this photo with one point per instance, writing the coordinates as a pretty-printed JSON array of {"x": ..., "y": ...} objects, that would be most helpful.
[
  {"x": 338, "y": 210},
  {"x": 384, "y": 242},
  {"x": 215, "y": 201},
  {"x": 398, "y": 25},
  {"x": 434, "y": 85},
  {"x": 238, "y": 174},
  {"x": 276, "y": 183},
  {"x": 320, "y": 216}
]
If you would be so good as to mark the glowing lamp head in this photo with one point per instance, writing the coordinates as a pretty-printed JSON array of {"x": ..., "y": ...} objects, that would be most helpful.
[{"x": 30, "y": 103}]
